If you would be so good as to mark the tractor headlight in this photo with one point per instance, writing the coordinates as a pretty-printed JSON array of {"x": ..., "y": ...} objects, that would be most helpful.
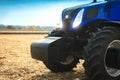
[{"x": 78, "y": 18}]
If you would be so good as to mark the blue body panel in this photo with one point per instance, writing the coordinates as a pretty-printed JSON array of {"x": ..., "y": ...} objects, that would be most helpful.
[
  {"x": 108, "y": 10},
  {"x": 115, "y": 11}
]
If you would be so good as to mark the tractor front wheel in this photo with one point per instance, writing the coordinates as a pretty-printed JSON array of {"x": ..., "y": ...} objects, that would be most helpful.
[
  {"x": 101, "y": 57},
  {"x": 67, "y": 65}
]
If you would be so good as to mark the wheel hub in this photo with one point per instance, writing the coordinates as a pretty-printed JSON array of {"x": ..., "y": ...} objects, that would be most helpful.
[
  {"x": 112, "y": 58},
  {"x": 68, "y": 60}
]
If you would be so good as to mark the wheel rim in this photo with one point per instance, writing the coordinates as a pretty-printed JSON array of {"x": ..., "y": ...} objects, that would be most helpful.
[
  {"x": 68, "y": 60},
  {"x": 112, "y": 71}
]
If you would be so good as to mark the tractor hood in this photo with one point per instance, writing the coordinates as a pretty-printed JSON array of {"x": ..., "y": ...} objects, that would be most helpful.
[
  {"x": 71, "y": 10},
  {"x": 69, "y": 14}
]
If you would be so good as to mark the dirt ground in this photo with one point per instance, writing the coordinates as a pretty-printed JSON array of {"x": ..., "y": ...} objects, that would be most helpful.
[{"x": 16, "y": 62}]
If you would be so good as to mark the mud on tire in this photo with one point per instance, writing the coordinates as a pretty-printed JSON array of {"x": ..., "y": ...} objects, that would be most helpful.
[{"x": 94, "y": 64}]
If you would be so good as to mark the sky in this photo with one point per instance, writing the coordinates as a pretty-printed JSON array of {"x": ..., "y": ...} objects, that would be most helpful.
[{"x": 34, "y": 12}]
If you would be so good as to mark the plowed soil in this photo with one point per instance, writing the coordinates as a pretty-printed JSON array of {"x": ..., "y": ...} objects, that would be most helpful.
[{"x": 16, "y": 62}]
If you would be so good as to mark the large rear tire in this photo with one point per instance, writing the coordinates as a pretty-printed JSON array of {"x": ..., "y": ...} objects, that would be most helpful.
[
  {"x": 96, "y": 54},
  {"x": 65, "y": 66}
]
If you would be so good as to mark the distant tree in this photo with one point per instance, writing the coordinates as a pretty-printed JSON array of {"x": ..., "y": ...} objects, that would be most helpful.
[
  {"x": 31, "y": 27},
  {"x": 19, "y": 27},
  {"x": 11, "y": 27}
]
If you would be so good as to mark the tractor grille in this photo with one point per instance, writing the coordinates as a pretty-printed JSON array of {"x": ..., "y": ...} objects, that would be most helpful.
[
  {"x": 91, "y": 12},
  {"x": 67, "y": 18},
  {"x": 66, "y": 25}
]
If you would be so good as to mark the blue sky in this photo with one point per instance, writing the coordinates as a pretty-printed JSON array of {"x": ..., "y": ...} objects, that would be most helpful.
[{"x": 34, "y": 12}]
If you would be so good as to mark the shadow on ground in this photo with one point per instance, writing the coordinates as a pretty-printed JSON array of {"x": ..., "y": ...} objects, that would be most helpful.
[{"x": 73, "y": 75}]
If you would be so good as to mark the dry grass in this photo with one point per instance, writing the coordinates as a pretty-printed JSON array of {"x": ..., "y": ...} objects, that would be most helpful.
[{"x": 16, "y": 62}]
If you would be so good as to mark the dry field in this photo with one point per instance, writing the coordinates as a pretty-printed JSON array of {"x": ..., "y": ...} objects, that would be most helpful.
[
  {"x": 16, "y": 62},
  {"x": 24, "y": 31}
]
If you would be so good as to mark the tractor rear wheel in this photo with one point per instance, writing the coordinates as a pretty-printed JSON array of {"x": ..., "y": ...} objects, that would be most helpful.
[{"x": 101, "y": 55}]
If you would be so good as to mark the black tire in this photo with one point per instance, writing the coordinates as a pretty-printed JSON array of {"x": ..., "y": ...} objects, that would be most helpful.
[
  {"x": 95, "y": 65},
  {"x": 56, "y": 32},
  {"x": 62, "y": 66}
]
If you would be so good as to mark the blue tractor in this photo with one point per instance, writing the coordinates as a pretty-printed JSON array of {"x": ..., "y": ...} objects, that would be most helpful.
[{"x": 90, "y": 32}]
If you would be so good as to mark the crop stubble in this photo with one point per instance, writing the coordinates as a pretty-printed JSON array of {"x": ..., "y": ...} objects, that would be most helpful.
[{"x": 16, "y": 62}]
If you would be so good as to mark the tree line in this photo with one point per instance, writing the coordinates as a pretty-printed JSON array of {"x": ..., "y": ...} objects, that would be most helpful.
[{"x": 29, "y": 27}]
